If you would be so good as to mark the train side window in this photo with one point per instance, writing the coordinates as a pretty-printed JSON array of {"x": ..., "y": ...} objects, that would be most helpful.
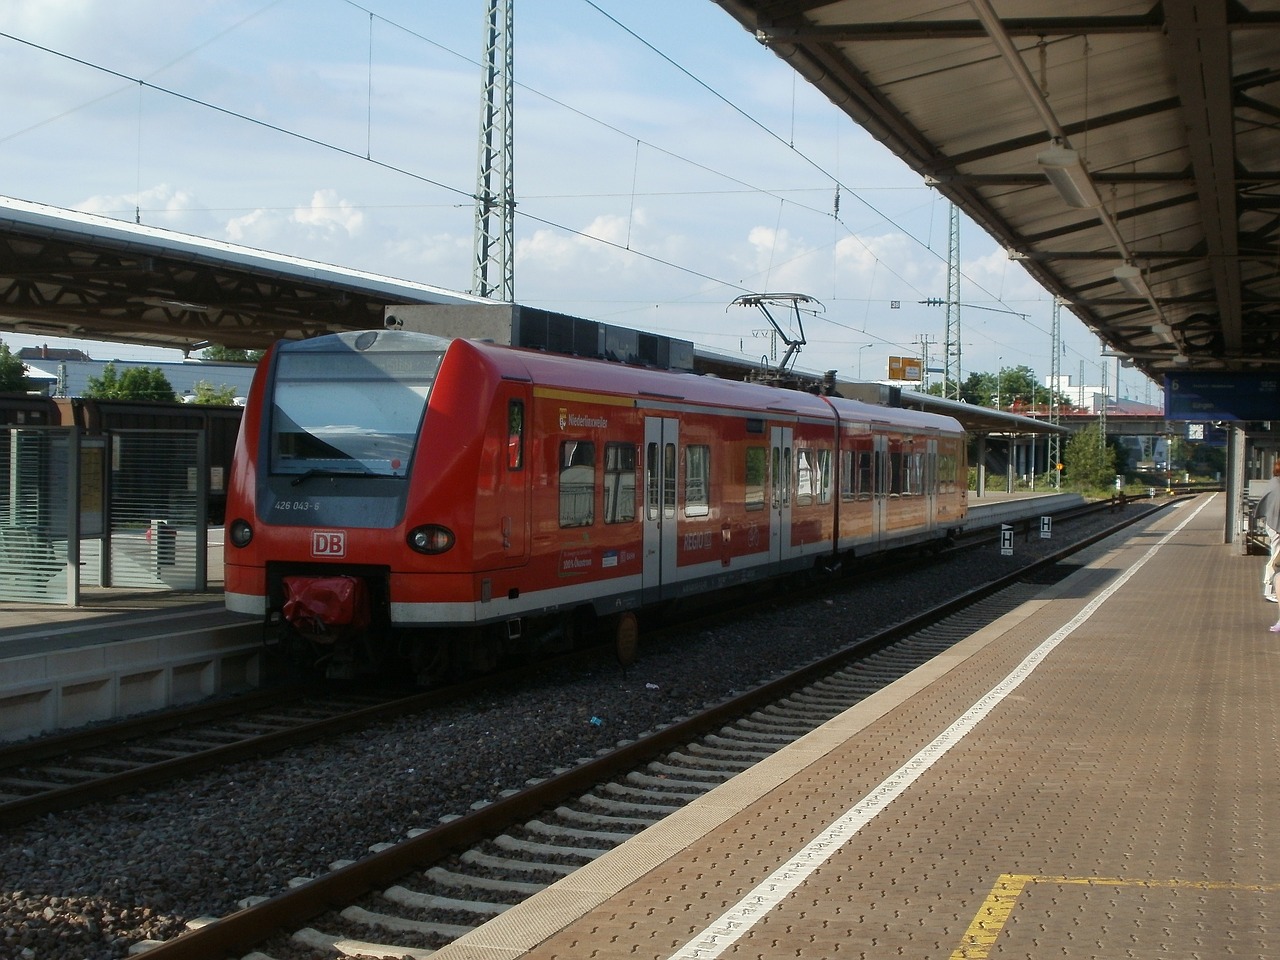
[
  {"x": 805, "y": 477},
  {"x": 946, "y": 473},
  {"x": 754, "y": 489},
  {"x": 824, "y": 476},
  {"x": 515, "y": 435},
  {"x": 847, "y": 476},
  {"x": 669, "y": 481},
  {"x": 776, "y": 476},
  {"x": 697, "y": 480},
  {"x": 785, "y": 477},
  {"x": 619, "y": 482},
  {"x": 866, "y": 475},
  {"x": 651, "y": 488},
  {"x": 577, "y": 483}
]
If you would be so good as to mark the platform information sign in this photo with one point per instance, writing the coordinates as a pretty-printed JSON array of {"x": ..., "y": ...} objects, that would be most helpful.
[{"x": 1223, "y": 396}]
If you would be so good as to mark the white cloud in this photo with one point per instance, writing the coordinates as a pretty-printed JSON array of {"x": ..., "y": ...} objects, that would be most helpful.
[
  {"x": 159, "y": 206},
  {"x": 324, "y": 221},
  {"x": 600, "y": 247},
  {"x": 330, "y": 214}
]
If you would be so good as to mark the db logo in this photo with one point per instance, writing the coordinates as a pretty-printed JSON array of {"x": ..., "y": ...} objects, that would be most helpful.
[{"x": 328, "y": 543}]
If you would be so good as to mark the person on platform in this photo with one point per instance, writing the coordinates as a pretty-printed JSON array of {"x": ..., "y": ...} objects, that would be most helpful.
[{"x": 1268, "y": 510}]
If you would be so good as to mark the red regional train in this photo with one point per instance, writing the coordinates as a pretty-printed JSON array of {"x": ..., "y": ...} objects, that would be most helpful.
[{"x": 469, "y": 500}]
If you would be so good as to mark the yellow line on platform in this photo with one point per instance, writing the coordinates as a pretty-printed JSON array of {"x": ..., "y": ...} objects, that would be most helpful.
[{"x": 995, "y": 910}]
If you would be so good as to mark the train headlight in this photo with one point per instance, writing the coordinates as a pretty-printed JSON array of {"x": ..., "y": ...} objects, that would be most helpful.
[
  {"x": 431, "y": 538},
  {"x": 240, "y": 533}
]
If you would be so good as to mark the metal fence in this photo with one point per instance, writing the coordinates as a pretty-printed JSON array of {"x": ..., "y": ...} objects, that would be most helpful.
[
  {"x": 37, "y": 486},
  {"x": 157, "y": 509},
  {"x": 133, "y": 506}
]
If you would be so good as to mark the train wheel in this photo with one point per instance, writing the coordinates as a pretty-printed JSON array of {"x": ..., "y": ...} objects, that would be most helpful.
[
  {"x": 429, "y": 659},
  {"x": 581, "y": 627},
  {"x": 626, "y": 639}
]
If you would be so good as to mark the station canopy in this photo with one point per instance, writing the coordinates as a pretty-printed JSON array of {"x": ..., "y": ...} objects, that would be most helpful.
[
  {"x": 69, "y": 274},
  {"x": 1128, "y": 153}
]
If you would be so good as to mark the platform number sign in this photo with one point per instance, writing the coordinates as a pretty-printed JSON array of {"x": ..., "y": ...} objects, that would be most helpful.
[
  {"x": 1046, "y": 528},
  {"x": 1006, "y": 540}
]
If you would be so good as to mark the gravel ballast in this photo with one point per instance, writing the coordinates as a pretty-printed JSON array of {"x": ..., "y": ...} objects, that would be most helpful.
[{"x": 89, "y": 883}]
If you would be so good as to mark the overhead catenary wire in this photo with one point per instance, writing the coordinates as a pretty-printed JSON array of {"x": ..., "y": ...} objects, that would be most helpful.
[{"x": 784, "y": 196}]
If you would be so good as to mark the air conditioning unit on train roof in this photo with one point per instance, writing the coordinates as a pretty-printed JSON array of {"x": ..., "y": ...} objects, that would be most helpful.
[{"x": 547, "y": 330}]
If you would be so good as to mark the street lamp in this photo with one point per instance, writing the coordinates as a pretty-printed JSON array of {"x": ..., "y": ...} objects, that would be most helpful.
[{"x": 860, "y": 349}]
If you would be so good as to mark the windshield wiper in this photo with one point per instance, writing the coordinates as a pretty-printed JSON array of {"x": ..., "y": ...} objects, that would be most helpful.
[{"x": 330, "y": 472}]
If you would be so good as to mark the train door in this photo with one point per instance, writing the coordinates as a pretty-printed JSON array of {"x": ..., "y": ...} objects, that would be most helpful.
[
  {"x": 780, "y": 468},
  {"x": 661, "y": 450},
  {"x": 512, "y": 490},
  {"x": 880, "y": 487}
]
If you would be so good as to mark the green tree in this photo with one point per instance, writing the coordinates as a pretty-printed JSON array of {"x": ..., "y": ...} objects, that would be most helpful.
[
  {"x": 136, "y": 383},
  {"x": 13, "y": 372},
  {"x": 221, "y": 354},
  {"x": 1088, "y": 461},
  {"x": 206, "y": 392},
  {"x": 1013, "y": 388}
]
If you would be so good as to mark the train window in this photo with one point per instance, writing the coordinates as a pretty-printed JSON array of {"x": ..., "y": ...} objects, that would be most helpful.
[
  {"x": 866, "y": 475},
  {"x": 781, "y": 477},
  {"x": 846, "y": 475},
  {"x": 577, "y": 483},
  {"x": 341, "y": 412},
  {"x": 669, "y": 481},
  {"x": 776, "y": 475},
  {"x": 651, "y": 488},
  {"x": 896, "y": 472},
  {"x": 515, "y": 435},
  {"x": 754, "y": 493},
  {"x": 806, "y": 477},
  {"x": 784, "y": 476},
  {"x": 946, "y": 472},
  {"x": 824, "y": 476},
  {"x": 619, "y": 482},
  {"x": 697, "y": 480}
]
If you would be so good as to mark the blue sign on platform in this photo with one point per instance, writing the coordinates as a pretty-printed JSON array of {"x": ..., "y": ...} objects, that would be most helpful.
[{"x": 1222, "y": 396}]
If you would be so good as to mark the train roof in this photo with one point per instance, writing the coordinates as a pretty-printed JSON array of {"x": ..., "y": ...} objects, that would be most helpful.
[{"x": 603, "y": 376}]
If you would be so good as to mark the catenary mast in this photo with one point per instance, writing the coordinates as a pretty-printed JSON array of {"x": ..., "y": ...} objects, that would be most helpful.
[{"x": 493, "y": 265}]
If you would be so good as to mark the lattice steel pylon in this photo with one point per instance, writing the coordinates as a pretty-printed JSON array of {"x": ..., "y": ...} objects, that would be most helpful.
[
  {"x": 951, "y": 342},
  {"x": 493, "y": 266},
  {"x": 1055, "y": 375}
]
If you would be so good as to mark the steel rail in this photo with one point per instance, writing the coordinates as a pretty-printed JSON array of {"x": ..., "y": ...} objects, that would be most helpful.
[{"x": 246, "y": 928}]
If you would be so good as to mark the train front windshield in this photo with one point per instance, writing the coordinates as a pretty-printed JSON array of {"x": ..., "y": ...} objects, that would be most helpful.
[{"x": 339, "y": 412}]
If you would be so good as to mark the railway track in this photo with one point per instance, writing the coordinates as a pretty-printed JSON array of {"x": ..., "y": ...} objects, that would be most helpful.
[
  {"x": 86, "y": 766},
  {"x": 61, "y": 772},
  {"x": 412, "y": 896}
]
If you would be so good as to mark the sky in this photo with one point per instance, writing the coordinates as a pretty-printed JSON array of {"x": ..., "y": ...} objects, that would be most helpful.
[{"x": 665, "y": 164}]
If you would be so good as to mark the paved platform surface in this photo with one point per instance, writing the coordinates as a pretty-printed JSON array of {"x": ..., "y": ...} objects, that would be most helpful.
[
  {"x": 106, "y": 616},
  {"x": 1097, "y": 774}
]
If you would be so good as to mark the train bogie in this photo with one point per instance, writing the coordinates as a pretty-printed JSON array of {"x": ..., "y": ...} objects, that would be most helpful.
[{"x": 514, "y": 498}]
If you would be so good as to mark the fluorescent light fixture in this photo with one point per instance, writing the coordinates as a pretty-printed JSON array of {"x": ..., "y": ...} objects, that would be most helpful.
[
  {"x": 1163, "y": 331},
  {"x": 1130, "y": 277},
  {"x": 1063, "y": 168}
]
